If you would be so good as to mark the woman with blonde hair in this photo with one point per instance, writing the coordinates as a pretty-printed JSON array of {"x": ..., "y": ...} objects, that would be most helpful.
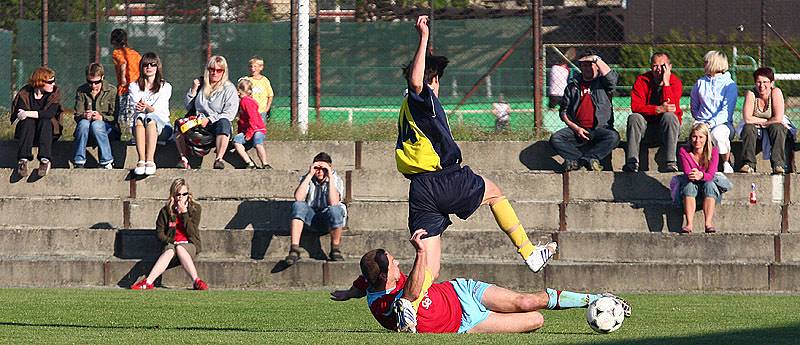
[
  {"x": 216, "y": 100},
  {"x": 713, "y": 101},
  {"x": 177, "y": 226},
  {"x": 699, "y": 159}
]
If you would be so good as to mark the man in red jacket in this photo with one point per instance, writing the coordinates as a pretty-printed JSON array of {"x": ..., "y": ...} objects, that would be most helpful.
[{"x": 656, "y": 113}]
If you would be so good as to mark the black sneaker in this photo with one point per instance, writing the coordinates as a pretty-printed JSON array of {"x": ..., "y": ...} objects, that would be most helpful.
[
  {"x": 630, "y": 167},
  {"x": 292, "y": 258},
  {"x": 671, "y": 167},
  {"x": 218, "y": 164},
  {"x": 335, "y": 255},
  {"x": 571, "y": 165},
  {"x": 22, "y": 167},
  {"x": 77, "y": 166}
]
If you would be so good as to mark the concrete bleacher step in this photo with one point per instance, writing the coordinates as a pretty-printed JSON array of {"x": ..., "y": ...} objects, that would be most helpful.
[
  {"x": 490, "y": 244},
  {"x": 377, "y": 215},
  {"x": 623, "y": 186},
  {"x": 281, "y": 155},
  {"x": 51, "y": 212},
  {"x": 516, "y": 185},
  {"x": 662, "y": 216},
  {"x": 59, "y": 271},
  {"x": 214, "y": 184},
  {"x": 670, "y": 247}
]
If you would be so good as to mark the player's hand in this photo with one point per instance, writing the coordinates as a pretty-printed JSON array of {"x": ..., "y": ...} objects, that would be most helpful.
[
  {"x": 340, "y": 295},
  {"x": 422, "y": 25},
  {"x": 416, "y": 240}
]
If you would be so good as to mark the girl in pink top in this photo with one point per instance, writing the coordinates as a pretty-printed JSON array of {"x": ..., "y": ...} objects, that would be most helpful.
[
  {"x": 699, "y": 160},
  {"x": 251, "y": 127}
]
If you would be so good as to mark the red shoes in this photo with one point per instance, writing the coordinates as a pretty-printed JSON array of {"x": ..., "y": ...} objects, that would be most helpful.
[
  {"x": 142, "y": 285},
  {"x": 199, "y": 284}
]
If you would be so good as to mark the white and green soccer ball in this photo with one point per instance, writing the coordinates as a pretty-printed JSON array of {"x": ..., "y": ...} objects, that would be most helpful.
[{"x": 605, "y": 315}]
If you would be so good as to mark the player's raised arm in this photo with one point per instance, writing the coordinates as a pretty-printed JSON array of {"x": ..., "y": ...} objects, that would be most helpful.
[
  {"x": 417, "y": 68},
  {"x": 416, "y": 278}
]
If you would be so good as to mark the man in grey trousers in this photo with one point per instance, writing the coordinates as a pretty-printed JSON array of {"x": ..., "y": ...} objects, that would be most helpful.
[{"x": 656, "y": 117}]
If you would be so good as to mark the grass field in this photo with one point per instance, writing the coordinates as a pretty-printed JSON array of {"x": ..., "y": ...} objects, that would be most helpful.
[{"x": 177, "y": 316}]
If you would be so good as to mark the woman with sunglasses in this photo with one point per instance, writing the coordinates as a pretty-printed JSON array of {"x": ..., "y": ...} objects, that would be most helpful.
[
  {"x": 37, "y": 107},
  {"x": 95, "y": 109},
  {"x": 177, "y": 226},
  {"x": 215, "y": 99},
  {"x": 148, "y": 100}
]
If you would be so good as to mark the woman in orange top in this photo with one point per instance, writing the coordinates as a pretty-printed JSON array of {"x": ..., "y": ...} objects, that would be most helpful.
[{"x": 126, "y": 63}]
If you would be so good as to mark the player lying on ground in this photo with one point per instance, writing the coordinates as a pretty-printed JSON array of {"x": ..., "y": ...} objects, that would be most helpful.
[
  {"x": 459, "y": 305},
  {"x": 427, "y": 154}
]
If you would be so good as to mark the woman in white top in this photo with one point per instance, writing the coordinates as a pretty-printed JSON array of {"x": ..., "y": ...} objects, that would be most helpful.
[
  {"x": 763, "y": 118},
  {"x": 148, "y": 99},
  {"x": 713, "y": 101}
]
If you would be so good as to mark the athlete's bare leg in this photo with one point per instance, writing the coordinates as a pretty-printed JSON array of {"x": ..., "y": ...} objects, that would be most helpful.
[
  {"x": 509, "y": 323},
  {"x": 433, "y": 251}
]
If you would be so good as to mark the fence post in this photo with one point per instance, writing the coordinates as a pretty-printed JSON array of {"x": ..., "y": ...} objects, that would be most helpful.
[
  {"x": 96, "y": 32},
  {"x": 293, "y": 61},
  {"x": 763, "y": 45},
  {"x": 538, "y": 66},
  {"x": 317, "y": 66},
  {"x": 44, "y": 32},
  {"x": 207, "y": 30}
]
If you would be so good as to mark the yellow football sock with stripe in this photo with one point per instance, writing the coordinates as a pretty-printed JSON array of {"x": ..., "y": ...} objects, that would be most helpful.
[{"x": 507, "y": 220}]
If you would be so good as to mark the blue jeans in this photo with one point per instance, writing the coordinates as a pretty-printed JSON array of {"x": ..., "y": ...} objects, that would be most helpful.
[
  {"x": 702, "y": 189},
  {"x": 99, "y": 130},
  {"x": 257, "y": 139},
  {"x": 330, "y": 217}
]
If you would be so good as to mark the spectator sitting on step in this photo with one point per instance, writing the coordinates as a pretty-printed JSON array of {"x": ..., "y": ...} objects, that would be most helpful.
[
  {"x": 713, "y": 102},
  {"x": 178, "y": 228},
  {"x": 318, "y": 202},
  {"x": 37, "y": 106},
  {"x": 656, "y": 113},
  {"x": 586, "y": 110},
  {"x": 700, "y": 181},
  {"x": 763, "y": 120},
  {"x": 95, "y": 112},
  {"x": 216, "y": 99},
  {"x": 148, "y": 98}
]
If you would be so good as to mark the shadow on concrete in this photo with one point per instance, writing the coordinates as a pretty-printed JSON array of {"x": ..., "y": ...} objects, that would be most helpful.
[{"x": 651, "y": 196}]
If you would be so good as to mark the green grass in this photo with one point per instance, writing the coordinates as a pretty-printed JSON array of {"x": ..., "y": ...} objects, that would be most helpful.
[{"x": 177, "y": 316}]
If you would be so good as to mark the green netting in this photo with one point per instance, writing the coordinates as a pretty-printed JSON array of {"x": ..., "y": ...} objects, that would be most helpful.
[{"x": 6, "y": 39}]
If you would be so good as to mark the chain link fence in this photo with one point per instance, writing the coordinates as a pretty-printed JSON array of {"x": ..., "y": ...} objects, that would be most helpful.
[{"x": 363, "y": 44}]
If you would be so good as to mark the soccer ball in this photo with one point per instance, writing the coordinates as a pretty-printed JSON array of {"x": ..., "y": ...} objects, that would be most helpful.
[{"x": 605, "y": 315}]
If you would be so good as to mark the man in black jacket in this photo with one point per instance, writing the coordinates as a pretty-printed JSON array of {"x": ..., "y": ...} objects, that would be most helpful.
[{"x": 586, "y": 110}]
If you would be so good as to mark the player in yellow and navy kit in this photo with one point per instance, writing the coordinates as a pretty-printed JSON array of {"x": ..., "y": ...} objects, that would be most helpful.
[{"x": 427, "y": 155}]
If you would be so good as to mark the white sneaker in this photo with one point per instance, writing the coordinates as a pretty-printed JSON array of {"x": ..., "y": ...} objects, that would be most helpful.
[
  {"x": 541, "y": 256},
  {"x": 727, "y": 168},
  {"x": 108, "y": 166},
  {"x": 406, "y": 316},
  {"x": 139, "y": 170},
  {"x": 149, "y": 168},
  {"x": 626, "y": 307}
]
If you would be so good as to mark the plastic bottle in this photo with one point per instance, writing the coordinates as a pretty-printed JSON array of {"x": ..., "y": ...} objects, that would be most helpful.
[{"x": 753, "y": 199}]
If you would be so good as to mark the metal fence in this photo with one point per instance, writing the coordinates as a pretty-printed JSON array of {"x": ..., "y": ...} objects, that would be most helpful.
[{"x": 500, "y": 49}]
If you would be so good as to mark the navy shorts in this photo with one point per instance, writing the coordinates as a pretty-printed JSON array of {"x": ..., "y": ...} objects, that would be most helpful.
[{"x": 433, "y": 196}]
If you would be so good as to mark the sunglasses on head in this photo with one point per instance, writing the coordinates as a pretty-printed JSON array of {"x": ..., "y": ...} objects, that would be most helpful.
[
  {"x": 53, "y": 81},
  {"x": 181, "y": 194},
  {"x": 216, "y": 70},
  {"x": 94, "y": 82},
  {"x": 150, "y": 64}
]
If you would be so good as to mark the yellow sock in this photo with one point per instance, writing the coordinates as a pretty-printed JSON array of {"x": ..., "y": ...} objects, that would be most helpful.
[{"x": 507, "y": 220}]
